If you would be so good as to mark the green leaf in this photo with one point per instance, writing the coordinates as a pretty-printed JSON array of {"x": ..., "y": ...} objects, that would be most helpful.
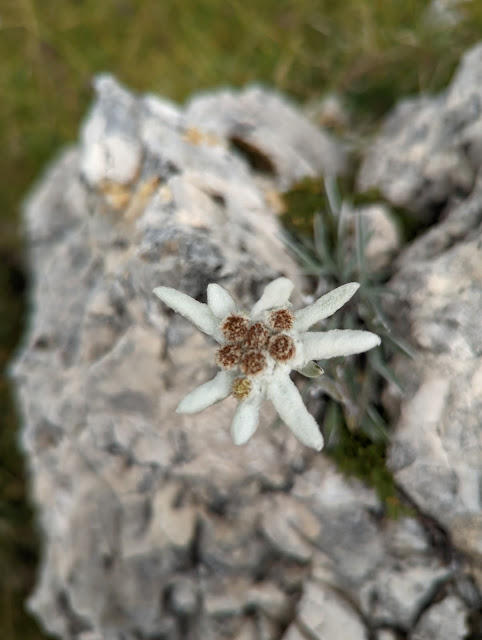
[
  {"x": 374, "y": 425},
  {"x": 330, "y": 387},
  {"x": 311, "y": 370},
  {"x": 332, "y": 424},
  {"x": 333, "y": 196},
  {"x": 383, "y": 369}
]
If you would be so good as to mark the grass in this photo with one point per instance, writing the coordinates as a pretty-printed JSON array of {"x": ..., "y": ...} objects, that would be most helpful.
[
  {"x": 371, "y": 52},
  {"x": 330, "y": 248}
]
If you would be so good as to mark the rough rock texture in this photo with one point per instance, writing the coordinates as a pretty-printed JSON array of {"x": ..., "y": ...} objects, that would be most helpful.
[
  {"x": 379, "y": 231},
  {"x": 430, "y": 149},
  {"x": 429, "y": 153},
  {"x": 446, "y": 620},
  {"x": 436, "y": 449},
  {"x": 436, "y": 452},
  {"x": 155, "y": 524}
]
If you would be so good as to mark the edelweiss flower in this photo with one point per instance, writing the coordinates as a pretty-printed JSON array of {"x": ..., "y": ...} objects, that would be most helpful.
[{"x": 258, "y": 351}]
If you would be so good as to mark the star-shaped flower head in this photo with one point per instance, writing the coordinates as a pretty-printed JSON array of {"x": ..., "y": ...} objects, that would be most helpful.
[{"x": 257, "y": 352}]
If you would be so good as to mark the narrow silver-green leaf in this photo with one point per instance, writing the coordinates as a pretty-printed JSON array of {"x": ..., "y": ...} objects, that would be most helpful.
[{"x": 310, "y": 370}]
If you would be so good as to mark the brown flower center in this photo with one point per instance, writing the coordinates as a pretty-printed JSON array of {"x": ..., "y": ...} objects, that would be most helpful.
[
  {"x": 281, "y": 347},
  {"x": 257, "y": 336},
  {"x": 252, "y": 363},
  {"x": 281, "y": 320},
  {"x": 228, "y": 356},
  {"x": 235, "y": 328},
  {"x": 248, "y": 346}
]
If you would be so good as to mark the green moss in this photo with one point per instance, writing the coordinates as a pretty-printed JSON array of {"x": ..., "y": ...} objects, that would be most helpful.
[
  {"x": 357, "y": 455},
  {"x": 300, "y": 202},
  {"x": 308, "y": 196}
]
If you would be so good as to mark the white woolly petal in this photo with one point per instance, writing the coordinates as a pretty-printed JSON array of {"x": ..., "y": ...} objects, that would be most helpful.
[
  {"x": 324, "y": 306},
  {"x": 321, "y": 345},
  {"x": 207, "y": 394},
  {"x": 246, "y": 418},
  {"x": 220, "y": 302},
  {"x": 196, "y": 312},
  {"x": 275, "y": 294},
  {"x": 289, "y": 404}
]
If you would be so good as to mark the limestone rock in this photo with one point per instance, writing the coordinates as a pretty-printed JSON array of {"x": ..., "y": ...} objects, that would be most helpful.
[
  {"x": 322, "y": 613},
  {"x": 427, "y": 160},
  {"x": 385, "y": 634},
  {"x": 133, "y": 498},
  {"x": 388, "y": 571},
  {"x": 430, "y": 148},
  {"x": 154, "y": 523},
  {"x": 398, "y": 592},
  {"x": 436, "y": 452},
  {"x": 294, "y": 633},
  {"x": 248, "y": 120},
  {"x": 446, "y": 620},
  {"x": 379, "y": 231},
  {"x": 112, "y": 150}
]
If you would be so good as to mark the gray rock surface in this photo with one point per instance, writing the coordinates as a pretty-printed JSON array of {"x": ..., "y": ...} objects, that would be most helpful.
[
  {"x": 323, "y": 613},
  {"x": 436, "y": 452},
  {"x": 430, "y": 148},
  {"x": 385, "y": 634},
  {"x": 155, "y": 525},
  {"x": 379, "y": 231},
  {"x": 446, "y": 620}
]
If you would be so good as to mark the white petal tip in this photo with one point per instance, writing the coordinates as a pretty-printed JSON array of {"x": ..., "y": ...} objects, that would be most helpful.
[
  {"x": 376, "y": 339},
  {"x": 246, "y": 419},
  {"x": 239, "y": 441},
  {"x": 275, "y": 294},
  {"x": 288, "y": 403},
  {"x": 196, "y": 312},
  {"x": 322, "y": 345},
  {"x": 368, "y": 340},
  {"x": 207, "y": 394},
  {"x": 183, "y": 407},
  {"x": 319, "y": 444},
  {"x": 159, "y": 291},
  {"x": 313, "y": 439},
  {"x": 219, "y": 301},
  {"x": 284, "y": 284}
]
